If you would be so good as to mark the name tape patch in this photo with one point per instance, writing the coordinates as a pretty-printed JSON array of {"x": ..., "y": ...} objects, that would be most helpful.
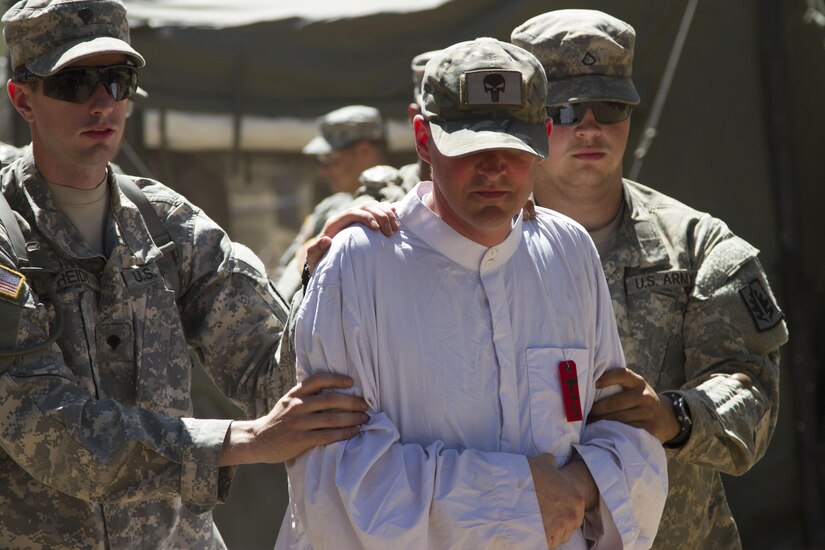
[
  {"x": 661, "y": 279},
  {"x": 488, "y": 88},
  {"x": 142, "y": 275},
  {"x": 11, "y": 282},
  {"x": 75, "y": 277}
]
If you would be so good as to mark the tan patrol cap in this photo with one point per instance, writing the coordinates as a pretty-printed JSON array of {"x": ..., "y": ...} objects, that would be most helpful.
[
  {"x": 45, "y": 36},
  {"x": 344, "y": 126},
  {"x": 588, "y": 55}
]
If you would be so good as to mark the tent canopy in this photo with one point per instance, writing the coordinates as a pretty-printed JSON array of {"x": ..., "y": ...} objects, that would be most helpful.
[
  {"x": 308, "y": 58},
  {"x": 221, "y": 14}
]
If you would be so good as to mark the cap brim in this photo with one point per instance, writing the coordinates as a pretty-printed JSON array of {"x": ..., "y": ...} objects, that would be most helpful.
[
  {"x": 318, "y": 146},
  {"x": 591, "y": 88},
  {"x": 71, "y": 52},
  {"x": 457, "y": 138}
]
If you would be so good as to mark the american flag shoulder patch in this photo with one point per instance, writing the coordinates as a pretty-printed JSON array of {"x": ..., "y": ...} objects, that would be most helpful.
[{"x": 11, "y": 282}]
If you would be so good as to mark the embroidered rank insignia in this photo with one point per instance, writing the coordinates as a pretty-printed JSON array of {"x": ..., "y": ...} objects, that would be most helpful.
[
  {"x": 11, "y": 282},
  {"x": 760, "y": 304}
]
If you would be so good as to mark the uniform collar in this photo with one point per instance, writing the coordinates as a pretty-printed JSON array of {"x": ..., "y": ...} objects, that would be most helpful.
[
  {"x": 639, "y": 243},
  {"x": 53, "y": 224}
]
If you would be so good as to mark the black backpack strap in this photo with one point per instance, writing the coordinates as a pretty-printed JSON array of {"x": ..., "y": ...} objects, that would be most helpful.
[
  {"x": 160, "y": 235},
  {"x": 18, "y": 243}
]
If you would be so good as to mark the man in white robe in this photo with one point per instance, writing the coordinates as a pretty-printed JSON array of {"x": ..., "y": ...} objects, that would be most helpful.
[{"x": 476, "y": 339}]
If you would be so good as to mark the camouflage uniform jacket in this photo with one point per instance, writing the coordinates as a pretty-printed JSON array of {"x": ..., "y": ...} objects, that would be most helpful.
[
  {"x": 693, "y": 307},
  {"x": 97, "y": 449}
]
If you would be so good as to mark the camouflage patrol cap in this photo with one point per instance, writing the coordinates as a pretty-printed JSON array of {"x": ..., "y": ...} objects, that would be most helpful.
[
  {"x": 376, "y": 177},
  {"x": 344, "y": 126},
  {"x": 485, "y": 94},
  {"x": 45, "y": 36},
  {"x": 588, "y": 55},
  {"x": 417, "y": 65}
]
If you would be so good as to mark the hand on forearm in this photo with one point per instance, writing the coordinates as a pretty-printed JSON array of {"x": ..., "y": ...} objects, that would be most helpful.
[
  {"x": 637, "y": 405},
  {"x": 562, "y": 497},
  {"x": 579, "y": 474},
  {"x": 304, "y": 418}
]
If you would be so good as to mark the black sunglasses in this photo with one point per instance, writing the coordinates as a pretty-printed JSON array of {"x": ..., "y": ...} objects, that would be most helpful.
[
  {"x": 77, "y": 84},
  {"x": 605, "y": 112}
]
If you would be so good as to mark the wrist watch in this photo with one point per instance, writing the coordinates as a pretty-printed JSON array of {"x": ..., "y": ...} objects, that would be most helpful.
[{"x": 682, "y": 412}]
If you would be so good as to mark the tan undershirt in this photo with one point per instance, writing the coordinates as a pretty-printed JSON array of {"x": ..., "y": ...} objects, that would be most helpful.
[
  {"x": 605, "y": 237},
  {"x": 86, "y": 209}
]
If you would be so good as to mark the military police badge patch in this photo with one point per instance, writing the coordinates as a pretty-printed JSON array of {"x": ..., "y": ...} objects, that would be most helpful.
[
  {"x": 760, "y": 304},
  {"x": 11, "y": 282}
]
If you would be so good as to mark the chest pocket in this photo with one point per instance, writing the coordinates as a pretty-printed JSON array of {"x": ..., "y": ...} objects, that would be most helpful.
[
  {"x": 163, "y": 366},
  {"x": 551, "y": 430},
  {"x": 651, "y": 324}
]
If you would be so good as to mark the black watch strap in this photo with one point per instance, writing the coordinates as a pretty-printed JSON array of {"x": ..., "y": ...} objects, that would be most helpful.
[{"x": 682, "y": 412}]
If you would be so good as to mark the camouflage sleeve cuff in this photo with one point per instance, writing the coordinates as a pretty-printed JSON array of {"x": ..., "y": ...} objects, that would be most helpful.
[
  {"x": 732, "y": 424},
  {"x": 203, "y": 482}
]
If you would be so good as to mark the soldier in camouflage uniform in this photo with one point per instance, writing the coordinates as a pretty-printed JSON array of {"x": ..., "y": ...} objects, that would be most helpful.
[
  {"x": 351, "y": 139},
  {"x": 408, "y": 175},
  {"x": 700, "y": 328},
  {"x": 97, "y": 447}
]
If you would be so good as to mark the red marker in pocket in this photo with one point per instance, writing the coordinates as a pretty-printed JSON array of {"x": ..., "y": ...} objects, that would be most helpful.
[{"x": 570, "y": 391}]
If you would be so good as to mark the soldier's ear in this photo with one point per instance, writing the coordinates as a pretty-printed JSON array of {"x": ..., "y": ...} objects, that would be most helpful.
[
  {"x": 421, "y": 128},
  {"x": 19, "y": 95}
]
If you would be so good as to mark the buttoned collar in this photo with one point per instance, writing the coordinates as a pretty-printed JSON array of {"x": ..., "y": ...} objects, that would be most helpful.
[{"x": 426, "y": 225}]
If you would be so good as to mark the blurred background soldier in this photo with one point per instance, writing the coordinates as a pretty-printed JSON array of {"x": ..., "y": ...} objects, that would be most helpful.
[{"x": 351, "y": 139}]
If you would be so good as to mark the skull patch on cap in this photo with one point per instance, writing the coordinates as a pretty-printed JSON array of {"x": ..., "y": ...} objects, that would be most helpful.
[{"x": 490, "y": 88}]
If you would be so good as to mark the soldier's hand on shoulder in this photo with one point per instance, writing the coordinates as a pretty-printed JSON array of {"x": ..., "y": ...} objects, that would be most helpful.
[{"x": 375, "y": 215}]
